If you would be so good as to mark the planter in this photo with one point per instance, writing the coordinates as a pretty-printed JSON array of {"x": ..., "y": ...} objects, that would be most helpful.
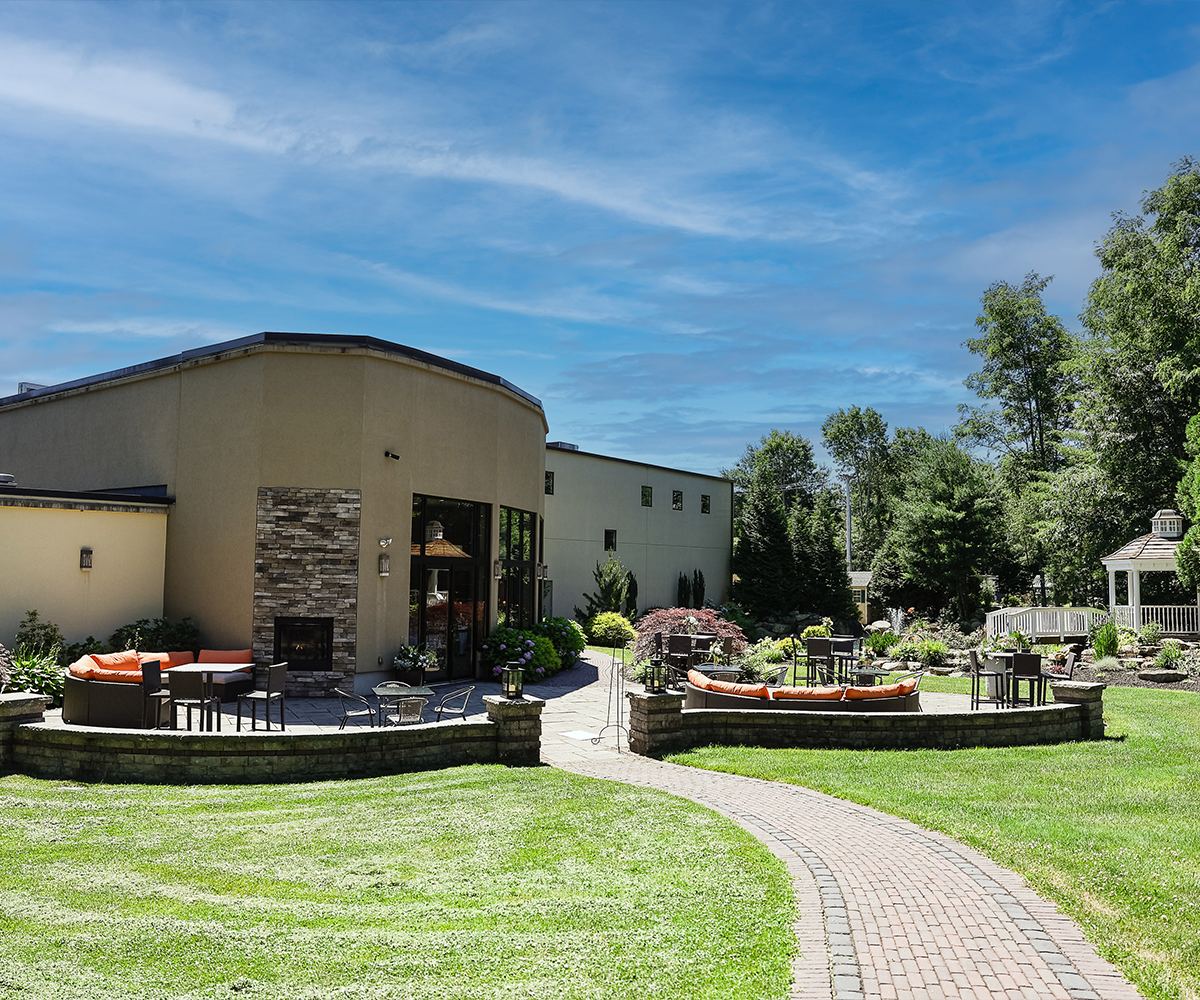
[{"x": 414, "y": 678}]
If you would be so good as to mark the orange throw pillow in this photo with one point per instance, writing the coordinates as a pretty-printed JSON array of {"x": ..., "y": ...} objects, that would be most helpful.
[
  {"x": 127, "y": 660},
  {"x": 908, "y": 686},
  {"x": 82, "y": 668},
  {"x": 733, "y": 687},
  {"x": 226, "y": 656},
  {"x": 815, "y": 694},
  {"x": 181, "y": 657},
  {"x": 164, "y": 659}
]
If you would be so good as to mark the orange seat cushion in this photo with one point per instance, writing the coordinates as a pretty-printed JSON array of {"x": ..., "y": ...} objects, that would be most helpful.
[
  {"x": 129, "y": 676},
  {"x": 697, "y": 679},
  {"x": 226, "y": 656},
  {"x": 168, "y": 660},
  {"x": 816, "y": 694},
  {"x": 127, "y": 660},
  {"x": 180, "y": 657}
]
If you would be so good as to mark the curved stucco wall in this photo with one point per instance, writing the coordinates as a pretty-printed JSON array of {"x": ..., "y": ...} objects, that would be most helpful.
[{"x": 216, "y": 428}]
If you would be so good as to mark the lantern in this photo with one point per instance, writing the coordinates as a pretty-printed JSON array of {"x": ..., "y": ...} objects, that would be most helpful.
[
  {"x": 656, "y": 676},
  {"x": 512, "y": 680}
]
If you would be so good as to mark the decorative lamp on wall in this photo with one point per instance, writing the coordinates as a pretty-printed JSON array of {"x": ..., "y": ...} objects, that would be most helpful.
[
  {"x": 656, "y": 676},
  {"x": 512, "y": 680},
  {"x": 385, "y": 564},
  {"x": 85, "y": 558},
  {"x": 497, "y": 572}
]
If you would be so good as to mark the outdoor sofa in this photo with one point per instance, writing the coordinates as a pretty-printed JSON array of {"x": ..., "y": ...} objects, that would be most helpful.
[
  {"x": 704, "y": 692},
  {"x": 105, "y": 689}
]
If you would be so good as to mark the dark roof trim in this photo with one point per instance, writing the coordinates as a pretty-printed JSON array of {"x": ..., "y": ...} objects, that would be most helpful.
[
  {"x": 554, "y": 446},
  {"x": 138, "y": 499},
  {"x": 344, "y": 342}
]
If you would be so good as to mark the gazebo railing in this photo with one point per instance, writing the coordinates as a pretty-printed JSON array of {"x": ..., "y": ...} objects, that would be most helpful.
[
  {"x": 1174, "y": 618},
  {"x": 1041, "y": 623}
]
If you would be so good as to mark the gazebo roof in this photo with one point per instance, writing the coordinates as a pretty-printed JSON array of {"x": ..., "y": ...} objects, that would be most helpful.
[{"x": 1145, "y": 550}]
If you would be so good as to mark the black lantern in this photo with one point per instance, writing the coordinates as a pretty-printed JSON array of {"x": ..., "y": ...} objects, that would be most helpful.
[
  {"x": 656, "y": 676},
  {"x": 512, "y": 680}
]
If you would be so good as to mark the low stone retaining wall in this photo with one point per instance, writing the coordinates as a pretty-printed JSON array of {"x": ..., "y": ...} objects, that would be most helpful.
[
  {"x": 510, "y": 735},
  {"x": 659, "y": 724}
]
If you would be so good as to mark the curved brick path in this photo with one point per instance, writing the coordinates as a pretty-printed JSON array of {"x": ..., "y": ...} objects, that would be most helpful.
[
  {"x": 906, "y": 912},
  {"x": 887, "y": 908}
]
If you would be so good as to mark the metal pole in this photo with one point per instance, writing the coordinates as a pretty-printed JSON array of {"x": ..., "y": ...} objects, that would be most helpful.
[{"x": 846, "y": 480}]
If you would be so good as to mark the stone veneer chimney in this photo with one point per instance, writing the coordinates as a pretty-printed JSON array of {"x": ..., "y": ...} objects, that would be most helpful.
[{"x": 306, "y": 566}]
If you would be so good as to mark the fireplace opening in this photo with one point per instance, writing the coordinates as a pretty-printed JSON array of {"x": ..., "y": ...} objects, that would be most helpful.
[{"x": 304, "y": 643}]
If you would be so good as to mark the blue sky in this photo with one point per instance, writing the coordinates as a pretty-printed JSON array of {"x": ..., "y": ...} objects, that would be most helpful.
[{"x": 677, "y": 224}]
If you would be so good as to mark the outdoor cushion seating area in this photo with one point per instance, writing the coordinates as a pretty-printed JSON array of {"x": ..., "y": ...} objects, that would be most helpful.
[
  {"x": 108, "y": 689},
  {"x": 703, "y": 691}
]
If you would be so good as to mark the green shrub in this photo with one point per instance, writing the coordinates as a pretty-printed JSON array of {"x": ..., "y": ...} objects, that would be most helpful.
[
  {"x": 825, "y": 629},
  {"x": 566, "y": 636},
  {"x": 1170, "y": 654},
  {"x": 907, "y": 649},
  {"x": 1105, "y": 639},
  {"x": 534, "y": 652},
  {"x": 156, "y": 635},
  {"x": 610, "y": 629},
  {"x": 1151, "y": 634},
  {"x": 932, "y": 653},
  {"x": 880, "y": 642},
  {"x": 38, "y": 637},
  {"x": 1106, "y": 663},
  {"x": 37, "y": 673}
]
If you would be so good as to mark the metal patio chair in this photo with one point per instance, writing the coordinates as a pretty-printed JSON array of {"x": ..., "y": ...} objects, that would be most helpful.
[
  {"x": 276, "y": 679},
  {"x": 348, "y": 702},
  {"x": 455, "y": 703}
]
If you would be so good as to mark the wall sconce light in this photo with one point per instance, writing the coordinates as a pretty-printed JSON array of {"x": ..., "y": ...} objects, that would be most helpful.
[
  {"x": 537, "y": 571},
  {"x": 391, "y": 454},
  {"x": 496, "y": 570},
  {"x": 385, "y": 564},
  {"x": 384, "y": 542},
  {"x": 85, "y": 559}
]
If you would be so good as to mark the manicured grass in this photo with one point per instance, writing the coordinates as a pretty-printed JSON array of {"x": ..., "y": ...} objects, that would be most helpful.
[
  {"x": 624, "y": 656},
  {"x": 472, "y": 882},
  {"x": 1110, "y": 830}
]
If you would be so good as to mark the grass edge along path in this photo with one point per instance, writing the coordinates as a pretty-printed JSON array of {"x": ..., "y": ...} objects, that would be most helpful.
[
  {"x": 472, "y": 882},
  {"x": 1108, "y": 830}
]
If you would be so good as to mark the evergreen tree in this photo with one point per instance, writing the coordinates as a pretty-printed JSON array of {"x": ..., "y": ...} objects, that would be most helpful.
[
  {"x": 832, "y": 594},
  {"x": 762, "y": 560}
]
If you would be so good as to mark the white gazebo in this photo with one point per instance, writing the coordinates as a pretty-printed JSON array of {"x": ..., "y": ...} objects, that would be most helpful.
[{"x": 1154, "y": 552}]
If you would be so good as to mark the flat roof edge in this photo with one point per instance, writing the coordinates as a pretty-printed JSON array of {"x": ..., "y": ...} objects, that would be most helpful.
[
  {"x": 338, "y": 340},
  {"x": 130, "y": 499},
  {"x": 550, "y": 446}
]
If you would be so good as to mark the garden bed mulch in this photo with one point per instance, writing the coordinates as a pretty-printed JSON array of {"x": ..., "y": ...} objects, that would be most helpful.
[{"x": 1129, "y": 678}]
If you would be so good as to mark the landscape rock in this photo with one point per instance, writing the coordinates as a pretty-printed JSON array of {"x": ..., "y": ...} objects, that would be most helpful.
[{"x": 1162, "y": 676}]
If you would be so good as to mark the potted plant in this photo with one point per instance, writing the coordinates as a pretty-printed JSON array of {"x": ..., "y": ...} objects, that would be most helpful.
[{"x": 411, "y": 662}]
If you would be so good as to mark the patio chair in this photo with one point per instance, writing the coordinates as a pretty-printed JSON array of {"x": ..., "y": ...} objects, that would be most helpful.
[
  {"x": 980, "y": 685},
  {"x": 348, "y": 702},
  {"x": 276, "y": 678},
  {"x": 455, "y": 703},
  {"x": 1059, "y": 672},
  {"x": 679, "y": 657},
  {"x": 1027, "y": 669},
  {"x": 777, "y": 674},
  {"x": 154, "y": 696},
  {"x": 401, "y": 711},
  {"x": 819, "y": 650},
  {"x": 188, "y": 692}
]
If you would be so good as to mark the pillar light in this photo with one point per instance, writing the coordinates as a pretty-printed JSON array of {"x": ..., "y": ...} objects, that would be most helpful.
[
  {"x": 512, "y": 680},
  {"x": 656, "y": 676}
]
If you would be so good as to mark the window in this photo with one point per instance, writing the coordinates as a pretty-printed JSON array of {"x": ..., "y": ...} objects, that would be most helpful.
[
  {"x": 549, "y": 484},
  {"x": 860, "y": 596},
  {"x": 610, "y": 539},
  {"x": 705, "y": 503},
  {"x": 676, "y": 499},
  {"x": 647, "y": 496},
  {"x": 515, "y": 605}
]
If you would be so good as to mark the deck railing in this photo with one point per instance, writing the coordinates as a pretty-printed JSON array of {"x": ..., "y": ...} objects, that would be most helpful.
[
  {"x": 1047, "y": 623},
  {"x": 1041, "y": 623}
]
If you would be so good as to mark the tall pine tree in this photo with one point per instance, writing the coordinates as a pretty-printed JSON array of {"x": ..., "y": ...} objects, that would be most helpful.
[{"x": 766, "y": 572}]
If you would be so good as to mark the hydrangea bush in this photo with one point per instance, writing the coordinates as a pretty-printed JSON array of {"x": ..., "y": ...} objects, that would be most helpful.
[
  {"x": 534, "y": 652},
  {"x": 567, "y": 637}
]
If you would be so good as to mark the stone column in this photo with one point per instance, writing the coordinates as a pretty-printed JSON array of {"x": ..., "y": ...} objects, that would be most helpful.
[
  {"x": 655, "y": 723},
  {"x": 1090, "y": 698},
  {"x": 518, "y": 729},
  {"x": 17, "y": 708}
]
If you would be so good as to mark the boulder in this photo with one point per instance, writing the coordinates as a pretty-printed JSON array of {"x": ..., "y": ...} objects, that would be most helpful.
[{"x": 1160, "y": 675}]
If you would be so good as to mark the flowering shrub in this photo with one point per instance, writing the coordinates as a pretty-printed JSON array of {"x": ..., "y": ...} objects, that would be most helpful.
[
  {"x": 566, "y": 636},
  {"x": 415, "y": 658},
  {"x": 610, "y": 629},
  {"x": 675, "y": 621},
  {"x": 534, "y": 652}
]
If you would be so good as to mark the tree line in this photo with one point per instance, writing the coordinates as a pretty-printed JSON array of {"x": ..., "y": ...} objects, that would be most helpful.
[{"x": 1077, "y": 439}]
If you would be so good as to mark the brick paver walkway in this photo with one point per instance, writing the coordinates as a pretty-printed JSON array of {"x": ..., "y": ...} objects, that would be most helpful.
[{"x": 887, "y": 909}]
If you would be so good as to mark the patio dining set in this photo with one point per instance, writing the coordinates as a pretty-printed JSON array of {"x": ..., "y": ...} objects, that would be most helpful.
[
  {"x": 999, "y": 679},
  {"x": 400, "y": 704}
]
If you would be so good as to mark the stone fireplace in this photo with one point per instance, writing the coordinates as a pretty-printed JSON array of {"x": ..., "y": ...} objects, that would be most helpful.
[{"x": 306, "y": 580}]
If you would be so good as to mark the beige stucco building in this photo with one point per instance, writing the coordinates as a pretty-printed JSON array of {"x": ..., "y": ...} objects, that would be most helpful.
[
  {"x": 659, "y": 521},
  {"x": 291, "y": 458}
]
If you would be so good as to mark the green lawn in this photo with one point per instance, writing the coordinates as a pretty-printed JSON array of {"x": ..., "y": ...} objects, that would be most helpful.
[
  {"x": 622, "y": 655},
  {"x": 474, "y": 882},
  {"x": 1110, "y": 830}
]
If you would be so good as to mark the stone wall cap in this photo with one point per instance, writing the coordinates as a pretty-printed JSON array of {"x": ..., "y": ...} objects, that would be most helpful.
[{"x": 23, "y": 703}]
